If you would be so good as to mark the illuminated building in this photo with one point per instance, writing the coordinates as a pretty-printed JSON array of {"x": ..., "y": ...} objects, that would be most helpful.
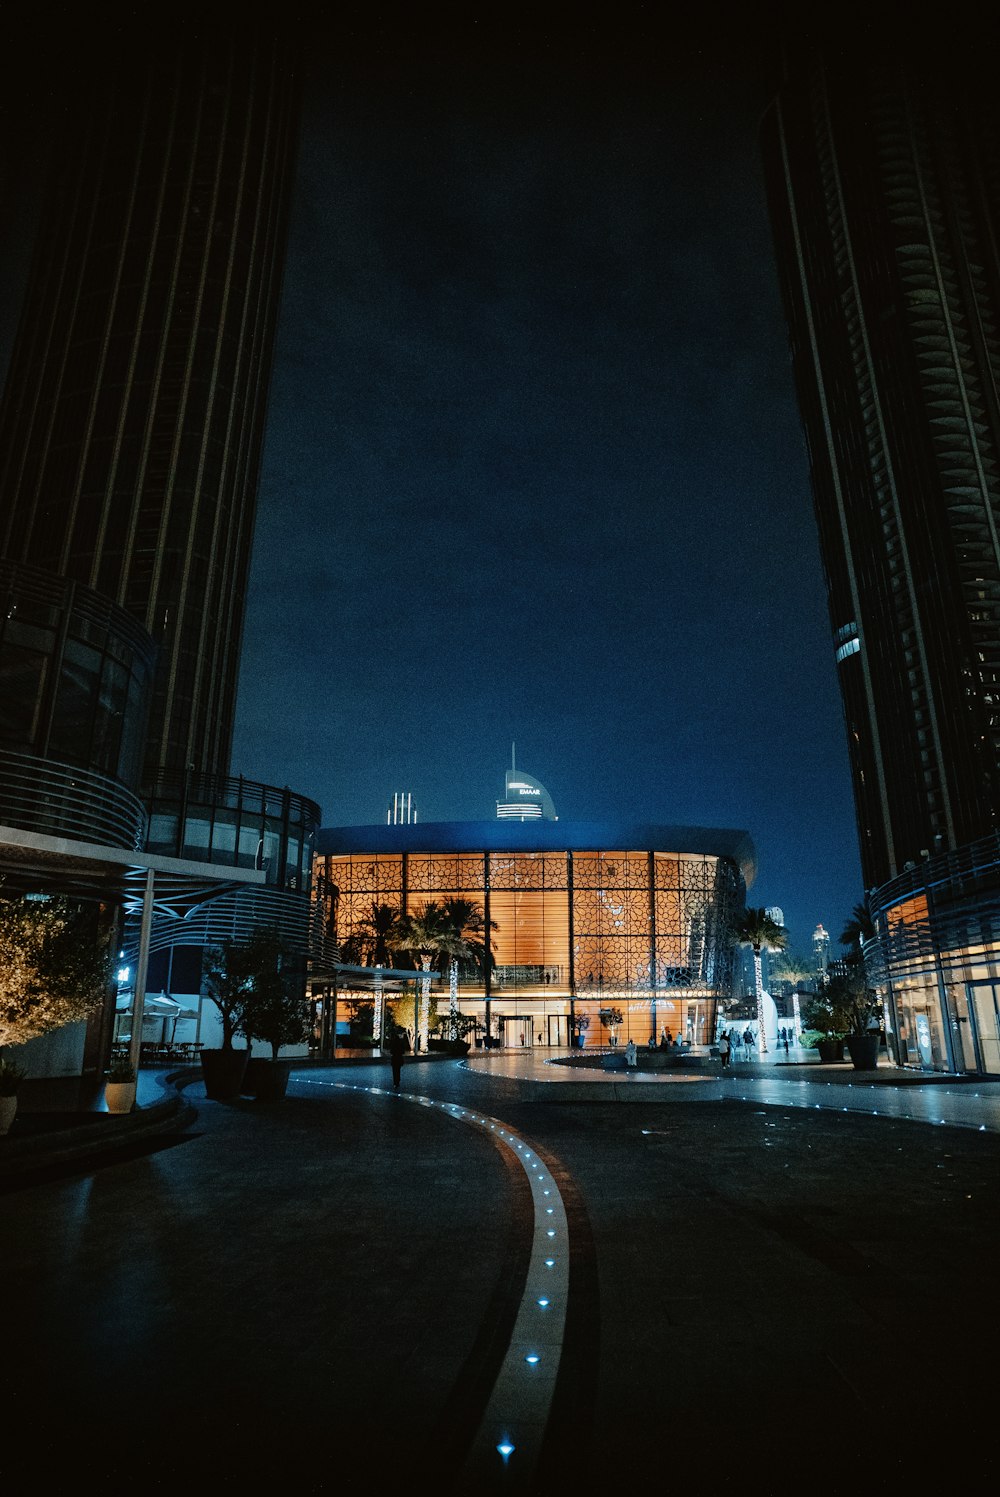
[
  {"x": 881, "y": 163},
  {"x": 525, "y": 799},
  {"x": 584, "y": 916}
]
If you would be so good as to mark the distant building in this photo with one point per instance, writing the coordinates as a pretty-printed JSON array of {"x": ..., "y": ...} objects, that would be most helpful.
[
  {"x": 525, "y": 799},
  {"x": 821, "y": 949},
  {"x": 402, "y": 811}
]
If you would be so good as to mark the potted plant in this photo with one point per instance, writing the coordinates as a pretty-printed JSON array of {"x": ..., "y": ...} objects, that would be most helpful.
[
  {"x": 863, "y": 1030},
  {"x": 275, "y": 1010},
  {"x": 11, "y": 1076},
  {"x": 861, "y": 1005},
  {"x": 828, "y": 1019},
  {"x": 119, "y": 1087},
  {"x": 226, "y": 980},
  {"x": 581, "y": 1023},
  {"x": 611, "y": 1018}
]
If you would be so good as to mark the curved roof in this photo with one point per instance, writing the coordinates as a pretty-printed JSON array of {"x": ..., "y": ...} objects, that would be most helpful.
[{"x": 541, "y": 836}]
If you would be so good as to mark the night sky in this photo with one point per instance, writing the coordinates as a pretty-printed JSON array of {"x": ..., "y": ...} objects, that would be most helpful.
[{"x": 534, "y": 469}]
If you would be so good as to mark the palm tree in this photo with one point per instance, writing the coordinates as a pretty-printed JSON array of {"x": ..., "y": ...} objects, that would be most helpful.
[
  {"x": 858, "y": 929},
  {"x": 467, "y": 939},
  {"x": 422, "y": 933},
  {"x": 756, "y": 929},
  {"x": 376, "y": 936}
]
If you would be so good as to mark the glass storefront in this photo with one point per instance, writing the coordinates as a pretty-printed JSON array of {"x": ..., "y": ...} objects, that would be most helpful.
[{"x": 936, "y": 961}]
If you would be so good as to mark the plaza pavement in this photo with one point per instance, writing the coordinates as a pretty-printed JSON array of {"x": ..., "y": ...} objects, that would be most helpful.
[{"x": 779, "y": 1278}]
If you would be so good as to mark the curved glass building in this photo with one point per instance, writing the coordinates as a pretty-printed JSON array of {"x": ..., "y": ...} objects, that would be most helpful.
[{"x": 584, "y": 917}]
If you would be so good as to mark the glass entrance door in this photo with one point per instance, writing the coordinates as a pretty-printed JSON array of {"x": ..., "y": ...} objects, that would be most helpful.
[
  {"x": 517, "y": 1033},
  {"x": 984, "y": 1004},
  {"x": 558, "y": 1025}
]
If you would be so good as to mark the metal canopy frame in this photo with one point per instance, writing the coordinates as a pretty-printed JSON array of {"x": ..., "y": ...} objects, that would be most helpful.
[{"x": 139, "y": 883}]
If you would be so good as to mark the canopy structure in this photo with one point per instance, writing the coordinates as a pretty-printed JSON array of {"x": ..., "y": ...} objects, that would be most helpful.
[
  {"x": 144, "y": 884},
  {"x": 373, "y": 977}
]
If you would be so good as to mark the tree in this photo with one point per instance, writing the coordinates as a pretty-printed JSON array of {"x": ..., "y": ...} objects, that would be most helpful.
[
  {"x": 376, "y": 937},
  {"x": 792, "y": 967},
  {"x": 756, "y": 929},
  {"x": 274, "y": 1007},
  {"x": 228, "y": 974},
  {"x": 423, "y": 935},
  {"x": 858, "y": 929},
  {"x": 845, "y": 1006},
  {"x": 55, "y": 966},
  {"x": 466, "y": 939}
]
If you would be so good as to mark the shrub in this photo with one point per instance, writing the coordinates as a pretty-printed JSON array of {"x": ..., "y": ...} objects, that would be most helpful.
[{"x": 55, "y": 967}]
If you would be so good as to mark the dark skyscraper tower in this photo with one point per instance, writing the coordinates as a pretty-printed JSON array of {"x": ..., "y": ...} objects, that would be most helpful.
[
  {"x": 133, "y": 413},
  {"x": 883, "y": 171}
]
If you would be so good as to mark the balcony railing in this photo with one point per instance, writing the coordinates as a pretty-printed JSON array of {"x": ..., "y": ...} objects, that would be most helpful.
[{"x": 61, "y": 800}]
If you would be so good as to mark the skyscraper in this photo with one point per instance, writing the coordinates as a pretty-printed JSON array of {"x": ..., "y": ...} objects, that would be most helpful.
[
  {"x": 882, "y": 157},
  {"x": 133, "y": 415},
  {"x": 883, "y": 179}
]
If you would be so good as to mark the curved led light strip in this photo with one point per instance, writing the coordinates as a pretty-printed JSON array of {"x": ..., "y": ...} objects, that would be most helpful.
[{"x": 513, "y": 1425}]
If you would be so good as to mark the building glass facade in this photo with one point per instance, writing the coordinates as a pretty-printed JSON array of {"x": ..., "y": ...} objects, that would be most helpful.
[
  {"x": 133, "y": 412},
  {"x": 574, "y": 928},
  {"x": 75, "y": 675}
]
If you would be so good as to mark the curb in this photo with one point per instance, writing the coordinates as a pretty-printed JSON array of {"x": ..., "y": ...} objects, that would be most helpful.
[{"x": 24, "y": 1158}]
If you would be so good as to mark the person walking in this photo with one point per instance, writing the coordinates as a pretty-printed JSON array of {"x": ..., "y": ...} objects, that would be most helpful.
[
  {"x": 724, "y": 1049},
  {"x": 630, "y": 1055},
  {"x": 397, "y": 1049}
]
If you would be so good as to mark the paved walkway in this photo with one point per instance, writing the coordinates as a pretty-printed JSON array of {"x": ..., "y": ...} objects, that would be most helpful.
[
  {"x": 356, "y": 1287},
  {"x": 889, "y": 1091}
]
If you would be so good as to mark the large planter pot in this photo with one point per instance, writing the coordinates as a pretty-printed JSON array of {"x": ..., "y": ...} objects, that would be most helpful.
[
  {"x": 8, "y": 1111},
  {"x": 265, "y": 1079},
  {"x": 863, "y": 1050},
  {"x": 830, "y": 1051},
  {"x": 222, "y": 1072},
  {"x": 119, "y": 1096}
]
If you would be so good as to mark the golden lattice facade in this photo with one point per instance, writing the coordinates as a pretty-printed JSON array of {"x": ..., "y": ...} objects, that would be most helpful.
[{"x": 636, "y": 923}]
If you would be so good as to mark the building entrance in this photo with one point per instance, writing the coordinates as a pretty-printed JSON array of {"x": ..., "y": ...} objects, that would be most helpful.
[
  {"x": 558, "y": 1029},
  {"x": 517, "y": 1032},
  {"x": 984, "y": 1003}
]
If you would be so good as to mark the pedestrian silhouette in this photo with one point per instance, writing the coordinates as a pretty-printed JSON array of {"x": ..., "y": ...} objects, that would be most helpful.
[{"x": 397, "y": 1049}]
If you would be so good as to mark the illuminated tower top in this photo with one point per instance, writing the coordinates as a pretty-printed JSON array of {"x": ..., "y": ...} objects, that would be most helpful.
[{"x": 525, "y": 798}]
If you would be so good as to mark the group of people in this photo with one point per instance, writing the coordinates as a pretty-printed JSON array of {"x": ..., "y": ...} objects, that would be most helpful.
[
  {"x": 668, "y": 1041},
  {"x": 731, "y": 1040},
  {"x": 732, "y": 1043}
]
